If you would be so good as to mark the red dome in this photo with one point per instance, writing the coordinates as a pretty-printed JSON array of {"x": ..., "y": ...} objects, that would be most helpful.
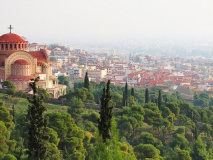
[
  {"x": 10, "y": 37},
  {"x": 21, "y": 62}
]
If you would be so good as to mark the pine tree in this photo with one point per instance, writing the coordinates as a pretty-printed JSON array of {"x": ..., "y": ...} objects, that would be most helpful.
[
  {"x": 133, "y": 92},
  {"x": 147, "y": 96},
  {"x": 86, "y": 81},
  {"x": 37, "y": 145},
  {"x": 159, "y": 100},
  {"x": 104, "y": 123}
]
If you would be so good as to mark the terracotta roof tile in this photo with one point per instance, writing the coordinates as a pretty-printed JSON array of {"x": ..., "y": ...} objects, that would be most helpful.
[
  {"x": 11, "y": 37},
  {"x": 20, "y": 77}
]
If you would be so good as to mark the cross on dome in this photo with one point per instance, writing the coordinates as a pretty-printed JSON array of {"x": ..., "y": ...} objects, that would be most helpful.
[{"x": 10, "y": 28}]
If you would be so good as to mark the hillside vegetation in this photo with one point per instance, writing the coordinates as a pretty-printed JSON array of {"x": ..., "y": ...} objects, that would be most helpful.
[{"x": 149, "y": 124}]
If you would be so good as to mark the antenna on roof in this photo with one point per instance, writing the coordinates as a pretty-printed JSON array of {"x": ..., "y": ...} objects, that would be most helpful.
[{"x": 10, "y": 28}]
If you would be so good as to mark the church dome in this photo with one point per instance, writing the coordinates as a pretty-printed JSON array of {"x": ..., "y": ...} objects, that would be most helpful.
[
  {"x": 21, "y": 62},
  {"x": 12, "y": 38}
]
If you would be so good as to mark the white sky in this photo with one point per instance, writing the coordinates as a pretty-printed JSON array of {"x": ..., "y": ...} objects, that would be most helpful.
[{"x": 61, "y": 21}]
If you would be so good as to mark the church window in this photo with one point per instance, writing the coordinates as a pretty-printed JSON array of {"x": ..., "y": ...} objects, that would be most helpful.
[{"x": 6, "y": 46}]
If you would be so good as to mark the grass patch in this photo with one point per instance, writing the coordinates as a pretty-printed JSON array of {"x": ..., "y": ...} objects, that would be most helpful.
[{"x": 21, "y": 104}]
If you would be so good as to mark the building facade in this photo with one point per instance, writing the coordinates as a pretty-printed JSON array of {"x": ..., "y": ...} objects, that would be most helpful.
[{"x": 19, "y": 65}]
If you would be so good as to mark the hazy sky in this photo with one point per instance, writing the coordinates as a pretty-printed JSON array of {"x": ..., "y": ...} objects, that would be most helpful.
[{"x": 64, "y": 21}]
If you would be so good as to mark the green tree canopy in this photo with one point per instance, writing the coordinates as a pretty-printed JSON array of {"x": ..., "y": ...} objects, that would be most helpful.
[
  {"x": 64, "y": 80},
  {"x": 199, "y": 150},
  {"x": 9, "y": 157},
  {"x": 76, "y": 109},
  {"x": 71, "y": 137},
  {"x": 146, "y": 151},
  {"x": 10, "y": 87}
]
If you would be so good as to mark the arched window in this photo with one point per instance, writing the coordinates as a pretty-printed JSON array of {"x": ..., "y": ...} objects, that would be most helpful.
[
  {"x": 11, "y": 46},
  {"x": 6, "y": 46},
  {"x": 15, "y": 46},
  {"x": 19, "y": 46},
  {"x": 22, "y": 45}
]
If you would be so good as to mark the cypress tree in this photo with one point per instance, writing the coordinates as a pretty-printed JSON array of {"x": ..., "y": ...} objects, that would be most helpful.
[
  {"x": 133, "y": 92},
  {"x": 124, "y": 99},
  {"x": 86, "y": 81},
  {"x": 126, "y": 93},
  {"x": 37, "y": 145},
  {"x": 104, "y": 123},
  {"x": 147, "y": 96},
  {"x": 159, "y": 100}
]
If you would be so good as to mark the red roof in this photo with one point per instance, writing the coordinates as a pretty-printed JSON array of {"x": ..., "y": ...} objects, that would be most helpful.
[
  {"x": 153, "y": 82},
  {"x": 21, "y": 62},
  {"x": 10, "y": 37},
  {"x": 40, "y": 55},
  {"x": 26, "y": 78}
]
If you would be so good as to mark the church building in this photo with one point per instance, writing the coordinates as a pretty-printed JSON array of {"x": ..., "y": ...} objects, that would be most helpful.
[{"x": 19, "y": 65}]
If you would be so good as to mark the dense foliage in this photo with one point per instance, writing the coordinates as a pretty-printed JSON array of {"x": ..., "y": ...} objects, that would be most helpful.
[{"x": 151, "y": 125}]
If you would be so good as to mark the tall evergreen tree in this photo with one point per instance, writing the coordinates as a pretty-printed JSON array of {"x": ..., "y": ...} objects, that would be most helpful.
[
  {"x": 125, "y": 95},
  {"x": 37, "y": 145},
  {"x": 104, "y": 123},
  {"x": 124, "y": 99},
  {"x": 133, "y": 92},
  {"x": 126, "y": 92},
  {"x": 86, "y": 81},
  {"x": 147, "y": 96},
  {"x": 159, "y": 99}
]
